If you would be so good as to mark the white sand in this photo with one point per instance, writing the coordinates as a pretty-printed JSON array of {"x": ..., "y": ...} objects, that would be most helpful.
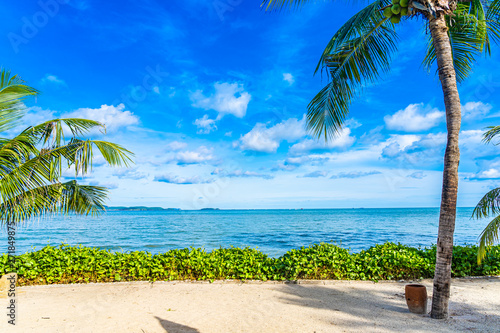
[{"x": 310, "y": 306}]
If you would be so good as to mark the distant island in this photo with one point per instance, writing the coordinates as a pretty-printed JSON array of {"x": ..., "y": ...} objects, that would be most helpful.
[
  {"x": 139, "y": 209},
  {"x": 210, "y": 209}
]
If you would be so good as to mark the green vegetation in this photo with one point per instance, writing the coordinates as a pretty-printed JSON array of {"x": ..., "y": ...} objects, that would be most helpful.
[
  {"x": 33, "y": 162},
  {"x": 389, "y": 261},
  {"x": 489, "y": 205},
  {"x": 360, "y": 53}
]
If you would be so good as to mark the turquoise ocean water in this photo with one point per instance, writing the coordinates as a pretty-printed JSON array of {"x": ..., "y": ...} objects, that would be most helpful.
[{"x": 273, "y": 231}]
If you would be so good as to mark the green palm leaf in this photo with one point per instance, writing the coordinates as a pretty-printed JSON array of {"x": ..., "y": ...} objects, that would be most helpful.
[
  {"x": 65, "y": 198},
  {"x": 353, "y": 58},
  {"x": 13, "y": 92},
  {"x": 470, "y": 30},
  {"x": 283, "y": 4},
  {"x": 488, "y": 237},
  {"x": 491, "y": 134}
]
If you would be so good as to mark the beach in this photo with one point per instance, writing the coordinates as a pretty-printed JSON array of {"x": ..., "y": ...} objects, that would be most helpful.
[{"x": 252, "y": 306}]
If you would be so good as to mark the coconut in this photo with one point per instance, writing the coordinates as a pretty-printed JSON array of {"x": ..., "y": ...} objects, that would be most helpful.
[
  {"x": 396, "y": 9},
  {"x": 388, "y": 12},
  {"x": 395, "y": 2},
  {"x": 404, "y": 11},
  {"x": 395, "y": 19},
  {"x": 404, "y": 3}
]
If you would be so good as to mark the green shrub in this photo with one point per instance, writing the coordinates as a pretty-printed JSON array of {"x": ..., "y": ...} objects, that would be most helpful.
[{"x": 389, "y": 261}]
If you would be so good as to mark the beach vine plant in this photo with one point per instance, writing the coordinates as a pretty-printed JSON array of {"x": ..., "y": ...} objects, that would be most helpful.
[
  {"x": 389, "y": 261},
  {"x": 32, "y": 163},
  {"x": 457, "y": 32}
]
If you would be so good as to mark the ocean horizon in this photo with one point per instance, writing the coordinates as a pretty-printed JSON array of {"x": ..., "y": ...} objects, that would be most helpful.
[{"x": 273, "y": 231}]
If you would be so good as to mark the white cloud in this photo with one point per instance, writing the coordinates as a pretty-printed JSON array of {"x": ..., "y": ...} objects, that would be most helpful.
[
  {"x": 205, "y": 125},
  {"x": 240, "y": 174},
  {"x": 491, "y": 173},
  {"x": 414, "y": 118},
  {"x": 343, "y": 140},
  {"x": 176, "y": 145},
  {"x": 114, "y": 117},
  {"x": 472, "y": 110},
  {"x": 52, "y": 79},
  {"x": 180, "y": 180},
  {"x": 229, "y": 98},
  {"x": 288, "y": 78},
  {"x": 355, "y": 174},
  {"x": 129, "y": 173},
  {"x": 202, "y": 154},
  {"x": 267, "y": 140}
]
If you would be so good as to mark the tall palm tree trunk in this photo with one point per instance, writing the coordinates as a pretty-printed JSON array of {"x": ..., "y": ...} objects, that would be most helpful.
[{"x": 442, "y": 276}]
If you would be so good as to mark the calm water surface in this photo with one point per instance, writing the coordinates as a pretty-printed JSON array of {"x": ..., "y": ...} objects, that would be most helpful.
[{"x": 272, "y": 231}]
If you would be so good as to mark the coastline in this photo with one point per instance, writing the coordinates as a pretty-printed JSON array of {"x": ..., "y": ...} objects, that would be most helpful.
[{"x": 253, "y": 306}]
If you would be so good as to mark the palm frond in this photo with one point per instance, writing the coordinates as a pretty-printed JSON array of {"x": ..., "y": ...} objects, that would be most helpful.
[
  {"x": 488, "y": 237},
  {"x": 489, "y": 135},
  {"x": 493, "y": 19},
  {"x": 470, "y": 31},
  {"x": 53, "y": 130},
  {"x": 359, "y": 59},
  {"x": 276, "y": 5},
  {"x": 467, "y": 40},
  {"x": 25, "y": 173},
  {"x": 59, "y": 198},
  {"x": 13, "y": 91},
  {"x": 488, "y": 205},
  {"x": 355, "y": 26}
]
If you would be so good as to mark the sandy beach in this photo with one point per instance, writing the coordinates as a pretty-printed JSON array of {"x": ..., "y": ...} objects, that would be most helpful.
[{"x": 229, "y": 306}]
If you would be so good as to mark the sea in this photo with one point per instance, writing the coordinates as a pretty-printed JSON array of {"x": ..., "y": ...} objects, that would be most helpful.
[{"x": 273, "y": 232}]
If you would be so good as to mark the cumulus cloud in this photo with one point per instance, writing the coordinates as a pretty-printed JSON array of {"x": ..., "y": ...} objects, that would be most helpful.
[
  {"x": 35, "y": 115},
  {"x": 288, "y": 78},
  {"x": 414, "y": 149},
  {"x": 205, "y": 125},
  {"x": 267, "y": 140},
  {"x": 114, "y": 117},
  {"x": 343, "y": 140},
  {"x": 474, "y": 110},
  {"x": 315, "y": 174},
  {"x": 229, "y": 98},
  {"x": 180, "y": 180},
  {"x": 176, "y": 145},
  {"x": 355, "y": 174},
  {"x": 201, "y": 155},
  {"x": 129, "y": 173},
  {"x": 490, "y": 174},
  {"x": 414, "y": 118},
  {"x": 240, "y": 174}
]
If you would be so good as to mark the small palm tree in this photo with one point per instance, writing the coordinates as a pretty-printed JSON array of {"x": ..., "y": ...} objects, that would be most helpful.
[
  {"x": 361, "y": 50},
  {"x": 32, "y": 163},
  {"x": 487, "y": 206}
]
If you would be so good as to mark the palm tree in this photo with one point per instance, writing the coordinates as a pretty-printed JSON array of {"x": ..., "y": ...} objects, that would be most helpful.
[
  {"x": 488, "y": 205},
  {"x": 32, "y": 163},
  {"x": 361, "y": 50}
]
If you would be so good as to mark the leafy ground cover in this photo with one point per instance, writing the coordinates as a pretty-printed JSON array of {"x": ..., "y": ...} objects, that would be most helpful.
[{"x": 389, "y": 261}]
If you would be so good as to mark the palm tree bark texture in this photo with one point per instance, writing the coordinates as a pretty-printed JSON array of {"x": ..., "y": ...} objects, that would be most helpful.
[{"x": 442, "y": 278}]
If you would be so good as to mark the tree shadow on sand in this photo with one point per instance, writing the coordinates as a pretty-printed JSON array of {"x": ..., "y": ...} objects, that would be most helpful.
[
  {"x": 171, "y": 327},
  {"x": 363, "y": 309}
]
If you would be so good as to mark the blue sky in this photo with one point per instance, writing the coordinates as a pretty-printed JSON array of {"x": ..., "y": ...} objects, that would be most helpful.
[{"x": 211, "y": 97}]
